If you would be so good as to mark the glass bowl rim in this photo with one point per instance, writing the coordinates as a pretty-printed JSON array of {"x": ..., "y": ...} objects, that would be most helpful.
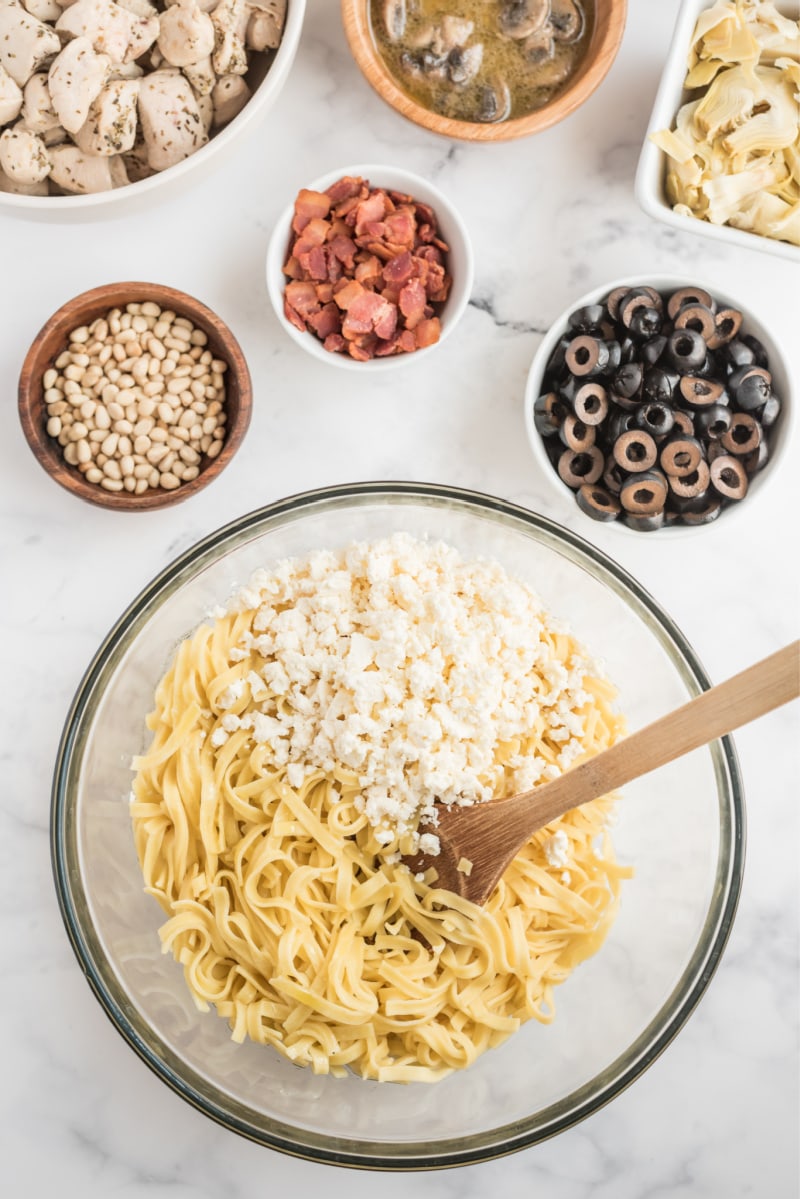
[{"x": 452, "y": 1151}]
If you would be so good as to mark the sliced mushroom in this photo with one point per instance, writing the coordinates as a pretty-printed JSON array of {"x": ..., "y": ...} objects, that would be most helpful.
[
  {"x": 422, "y": 38},
  {"x": 74, "y": 80},
  {"x": 10, "y": 97},
  {"x": 566, "y": 17},
  {"x": 394, "y": 19},
  {"x": 23, "y": 155},
  {"x": 463, "y": 64},
  {"x": 455, "y": 31},
  {"x": 26, "y": 45},
  {"x": 186, "y": 34},
  {"x": 426, "y": 63},
  {"x": 521, "y": 18},
  {"x": 539, "y": 47},
  {"x": 495, "y": 101},
  {"x": 110, "y": 127},
  {"x": 552, "y": 71}
]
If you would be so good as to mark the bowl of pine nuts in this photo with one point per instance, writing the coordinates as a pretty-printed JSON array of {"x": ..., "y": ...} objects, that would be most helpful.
[{"x": 134, "y": 396}]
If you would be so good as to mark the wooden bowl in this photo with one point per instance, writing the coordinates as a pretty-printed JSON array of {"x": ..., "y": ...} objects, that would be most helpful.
[
  {"x": 52, "y": 339},
  {"x": 609, "y": 25}
]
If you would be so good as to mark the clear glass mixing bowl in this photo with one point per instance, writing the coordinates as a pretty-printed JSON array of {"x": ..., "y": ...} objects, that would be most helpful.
[{"x": 682, "y": 828}]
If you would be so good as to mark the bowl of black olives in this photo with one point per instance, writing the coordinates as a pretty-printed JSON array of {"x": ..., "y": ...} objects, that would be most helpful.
[{"x": 658, "y": 404}]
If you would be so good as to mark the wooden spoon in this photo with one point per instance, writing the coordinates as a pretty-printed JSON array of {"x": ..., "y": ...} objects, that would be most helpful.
[{"x": 490, "y": 835}]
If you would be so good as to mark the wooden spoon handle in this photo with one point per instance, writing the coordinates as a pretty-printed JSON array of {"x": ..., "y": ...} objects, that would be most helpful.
[{"x": 746, "y": 696}]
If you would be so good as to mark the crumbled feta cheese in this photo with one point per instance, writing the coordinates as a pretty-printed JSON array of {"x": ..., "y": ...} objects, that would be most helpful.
[
  {"x": 556, "y": 849},
  {"x": 429, "y": 844},
  {"x": 231, "y": 694},
  {"x": 219, "y": 737}
]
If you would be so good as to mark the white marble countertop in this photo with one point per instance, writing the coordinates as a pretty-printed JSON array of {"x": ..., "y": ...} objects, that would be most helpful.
[{"x": 550, "y": 217}]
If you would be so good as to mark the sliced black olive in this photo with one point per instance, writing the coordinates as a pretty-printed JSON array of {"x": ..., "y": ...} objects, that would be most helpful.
[
  {"x": 648, "y": 523},
  {"x": 704, "y": 513},
  {"x": 681, "y": 456},
  {"x": 698, "y": 318},
  {"x": 770, "y": 411},
  {"x": 577, "y": 468},
  {"x": 743, "y": 436},
  {"x": 736, "y": 353},
  {"x": 627, "y": 382},
  {"x": 591, "y": 403},
  {"x": 629, "y": 350},
  {"x": 714, "y": 449},
  {"x": 688, "y": 295},
  {"x": 689, "y": 503},
  {"x": 660, "y": 385},
  {"x": 686, "y": 351},
  {"x": 621, "y": 421},
  {"x": 632, "y": 301},
  {"x": 656, "y": 418},
  {"x": 575, "y": 434},
  {"x": 753, "y": 463},
  {"x": 690, "y": 486},
  {"x": 728, "y": 322},
  {"x": 684, "y": 421},
  {"x": 614, "y": 356},
  {"x": 587, "y": 356},
  {"x": 607, "y": 330},
  {"x": 714, "y": 421},
  {"x": 557, "y": 363},
  {"x": 635, "y": 451},
  {"x": 652, "y": 350},
  {"x": 613, "y": 477},
  {"x": 548, "y": 413},
  {"x": 760, "y": 354},
  {"x": 729, "y": 478},
  {"x": 598, "y": 503},
  {"x": 587, "y": 319},
  {"x": 751, "y": 387},
  {"x": 644, "y": 493},
  {"x": 613, "y": 300},
  {"x": 646, "y": 323},
  {"x": 702, "y": 393}
]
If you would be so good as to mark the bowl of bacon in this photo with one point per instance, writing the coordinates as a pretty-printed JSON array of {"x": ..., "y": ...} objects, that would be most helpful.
[{"x": 369, "y": 267}]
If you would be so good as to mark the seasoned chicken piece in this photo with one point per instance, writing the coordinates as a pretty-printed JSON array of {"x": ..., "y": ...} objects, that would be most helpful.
[
  {"x": 186, "y": 34},
  {"x": 23, "y": 155},
  {"x": 201, "y": 76},
  {"x": 135, "y": 160},
  {"x": 10, "y": 97},
  {"x": 230, "y": 19},
  {"x": 205, "y": 106},
  {"x": 80, "y": 173},
  {"x": 140, "y": 8},
  {"x": 265, "y": 25},
  {"x": 111, "y": 125},
  {"x": 229, "y": 96},
  {"x": 75, "y": 79},
  {"x": 26, "y": 44},
  {"x": 112, "y": 29},
  {"x": 55, "y": 136},
  {"x": 22, "y": 189},
  {"x": 38, "y": 113},
  {"x": 171, "y": 123}
]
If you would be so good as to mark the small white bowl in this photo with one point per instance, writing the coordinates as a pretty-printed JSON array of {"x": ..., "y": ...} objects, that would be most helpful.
[
  {"x": 651, "y": 172},
  {"x": 781, "y": 434},
  {"x": 453, "y": 231},
  {"x": 266, "y": 85}
]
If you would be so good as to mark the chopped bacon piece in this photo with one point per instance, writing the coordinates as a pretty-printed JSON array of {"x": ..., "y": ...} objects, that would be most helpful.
[
  {"x": 292, "y": 316},
  {"x": 314, "y": 263},
  {"x": 346, "y": 211},
  {"x": 302, "y": 297},
  {"x": 324, "y": 292},
  {"x": 371, "y": 209},
  {"x": 346, "y": 293},
  {"x": 334, "y": 343},
  {"x": 316, "y": 231},
  {"x": 385, "y": 321},
  {"x": 375, "y": 229},
  {"x": 326, "y": 321},
  {"x": 425, "y": 213},
  {"x": 362, "y": 314},
  {"x": 344, "y": 188},
  {"x": 377, "y": 247},
  {"x": 293, "y": 269},
  {"x": 309, "y": 204},
  {"x": 407, "y": 342},
  {"x": 399, "y": 269},
  {"x": 344, "y": 248},
  {"x": 401, "y": 226},
  {"x": 428, "y": 332},
  {"x": 429, "y": 253},
  {"x": 369, "y": 270},
  {"x": 412, "y": 302},
  {"x": 435, "y": 279}
]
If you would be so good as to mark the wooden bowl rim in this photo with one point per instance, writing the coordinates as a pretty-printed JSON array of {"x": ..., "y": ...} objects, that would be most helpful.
[
  {"x": 30, "y": 397},
  {"x": 355, "y": 18}
]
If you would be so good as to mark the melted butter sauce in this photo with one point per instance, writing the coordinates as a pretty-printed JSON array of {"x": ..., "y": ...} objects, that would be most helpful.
[{"x": 529, "y": 85}]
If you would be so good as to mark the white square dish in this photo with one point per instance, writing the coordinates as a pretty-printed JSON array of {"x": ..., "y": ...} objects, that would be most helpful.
[{"x": 650, "y": 174}]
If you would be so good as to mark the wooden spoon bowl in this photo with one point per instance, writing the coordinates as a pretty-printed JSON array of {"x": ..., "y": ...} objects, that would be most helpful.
[
  {"x": 607, "y": 31},
  {"x": 53, "y": 338}
]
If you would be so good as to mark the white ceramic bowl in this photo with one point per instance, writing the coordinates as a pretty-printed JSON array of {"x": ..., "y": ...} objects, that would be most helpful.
[
  {"x": 266, "y": 85},
  {"x": 453, "y": 231},
  {"x": 651, "y": 172},
  {"x": 781, "y": 433}
]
